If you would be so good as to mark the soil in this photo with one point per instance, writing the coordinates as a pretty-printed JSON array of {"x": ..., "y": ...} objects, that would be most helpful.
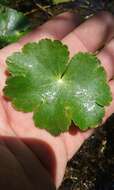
[{"x": 92, "y": 168}]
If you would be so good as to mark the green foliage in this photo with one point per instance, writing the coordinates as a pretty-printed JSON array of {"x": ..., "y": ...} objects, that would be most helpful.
[
  {"x": 57, "y": 90},
  {"x": 13, "y": 25},
  {"x": 4, "y": 2},
  {"x": 60, "y": 1}
]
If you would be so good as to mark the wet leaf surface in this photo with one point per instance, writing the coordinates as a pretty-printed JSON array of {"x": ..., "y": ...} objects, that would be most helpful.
[{"x": 43, "y": 80}]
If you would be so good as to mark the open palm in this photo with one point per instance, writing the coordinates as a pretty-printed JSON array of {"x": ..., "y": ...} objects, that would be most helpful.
[{"x": 40, "y": 149}]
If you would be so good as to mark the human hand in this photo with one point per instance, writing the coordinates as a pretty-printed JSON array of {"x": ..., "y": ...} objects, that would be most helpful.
[{"x": 35, "y": 150}]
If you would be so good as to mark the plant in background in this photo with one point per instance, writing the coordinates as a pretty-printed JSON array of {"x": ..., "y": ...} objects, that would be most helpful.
[
  {"x": 60, "y": 1},
  {"x": 13, "y": 25}
]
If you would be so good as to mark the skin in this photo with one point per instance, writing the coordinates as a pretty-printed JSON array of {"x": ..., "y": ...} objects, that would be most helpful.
[{"x": 31, "y": 158}]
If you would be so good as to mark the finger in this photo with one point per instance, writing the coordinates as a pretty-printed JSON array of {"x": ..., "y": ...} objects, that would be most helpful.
[
  {"x": 21, "y": 167},
  {"x": 91, "y": 35},
  {"x": 107, "y": 59},
  {"x": 56, "y": 28},
  {"x": 4, "y": 125},
  {"x": 74, "y": 141}
]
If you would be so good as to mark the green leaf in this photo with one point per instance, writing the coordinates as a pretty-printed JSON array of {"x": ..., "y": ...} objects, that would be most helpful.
[
  {"x": 13, "y": 25},
  {"x": 57, "y": 90},
  {"x": 60, "y": 1}
]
